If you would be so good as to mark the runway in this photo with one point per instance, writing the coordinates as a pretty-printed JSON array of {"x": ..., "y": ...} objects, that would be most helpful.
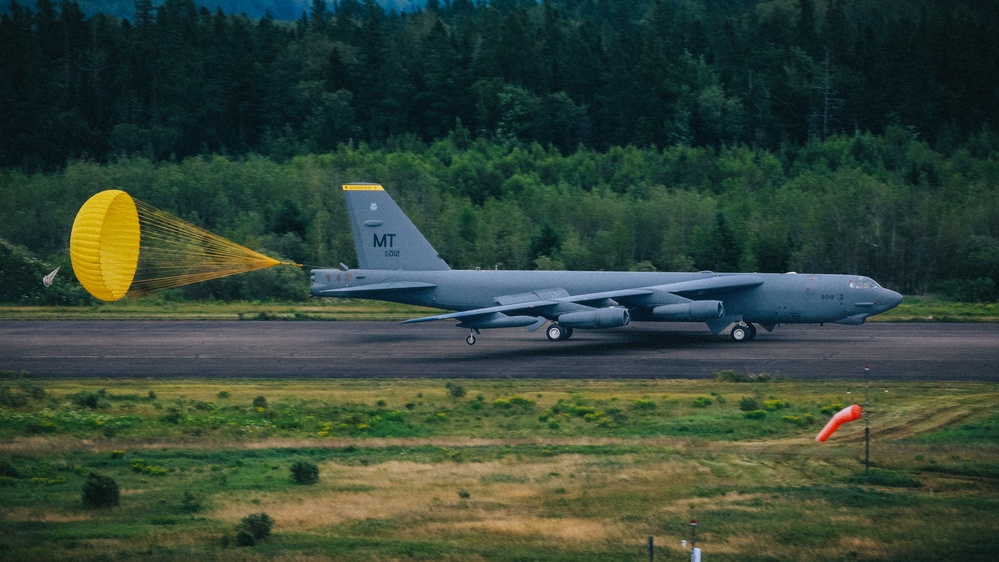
[{"x": 313, "y": 349}]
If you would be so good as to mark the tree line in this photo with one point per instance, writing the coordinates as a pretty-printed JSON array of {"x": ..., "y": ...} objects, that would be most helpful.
[
  {"x": 887, "y": 206},
  {"x": 177, "y": 80}
]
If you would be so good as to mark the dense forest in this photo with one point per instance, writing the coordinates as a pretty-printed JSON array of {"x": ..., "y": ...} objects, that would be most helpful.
[
  {"x": 887, "y": 206},
  {"x": 829, "y": 136},
  {"x": 178, "y": 81}
]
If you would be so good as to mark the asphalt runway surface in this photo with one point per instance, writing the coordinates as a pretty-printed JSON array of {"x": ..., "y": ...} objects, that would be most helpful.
[{"x": 315, "y": 349}]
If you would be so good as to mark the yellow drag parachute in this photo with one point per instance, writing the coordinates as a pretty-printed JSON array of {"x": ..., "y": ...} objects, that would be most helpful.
[{"x": 120, "y": 246}]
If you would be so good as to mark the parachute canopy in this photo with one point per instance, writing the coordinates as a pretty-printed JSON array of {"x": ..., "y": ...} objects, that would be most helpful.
[{"x": 120, "y": 246}]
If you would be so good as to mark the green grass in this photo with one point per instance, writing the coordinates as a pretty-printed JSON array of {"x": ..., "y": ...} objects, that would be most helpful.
[
  {"x": 491, "y": 479},
  {"x": 158, "y": 308},
  {"x": 926, "y": 308},
  {"x": 929, "y": 308}
]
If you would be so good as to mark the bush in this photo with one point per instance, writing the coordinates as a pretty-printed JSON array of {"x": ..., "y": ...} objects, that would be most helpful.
[
  {"x": 455, "y": 389},
  {"x": 756, "y": 414},
  {"x": 260, "y": 402},
  {"x": 702, "y": 402},
  {"x": 802, "y": 420},
  {"x": 304, "y": 472},
  {"x": 643, "y": 404},
  {"x": 100, "y": 491},
  {"x": 831, "y": 409},
  {"x": 252, "y": 528},
  {"x": 748, "y": 404},
  {"x": 8, "y": 470},
  {"x": 775, "y": 404},
  {"x": 190, "y": 503},
  {"x": 16, "y": 392},
  {"x": 91, "y": 399}
]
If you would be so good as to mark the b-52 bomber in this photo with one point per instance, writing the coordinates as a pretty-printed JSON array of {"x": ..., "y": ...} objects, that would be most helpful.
[{"x": 397, "y": 264}]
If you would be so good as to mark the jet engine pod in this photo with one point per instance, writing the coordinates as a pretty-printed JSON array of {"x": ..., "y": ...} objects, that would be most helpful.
[
  {"x": 600, "y": 318},
  {"x": 694, "y": 311}
]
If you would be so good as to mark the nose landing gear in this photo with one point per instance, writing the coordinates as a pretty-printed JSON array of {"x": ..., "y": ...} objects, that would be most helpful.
[{"x": 470, "y": 340}]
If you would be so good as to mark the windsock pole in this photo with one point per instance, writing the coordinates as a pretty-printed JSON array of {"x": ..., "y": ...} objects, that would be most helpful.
[{"x": 867, "y": 421}]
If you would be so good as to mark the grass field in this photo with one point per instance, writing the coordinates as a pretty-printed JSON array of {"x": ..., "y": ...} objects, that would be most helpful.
[
  {"x": 498, "y": 469},
  {"x": 912, "y": 309}
]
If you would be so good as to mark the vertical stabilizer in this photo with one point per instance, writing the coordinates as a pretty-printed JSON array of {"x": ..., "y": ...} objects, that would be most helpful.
[{"x": 384, "y": 237}]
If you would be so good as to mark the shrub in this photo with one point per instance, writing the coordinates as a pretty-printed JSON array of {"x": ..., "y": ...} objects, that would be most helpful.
[
  {"x": 260, "y": 402},
  {"x": 774, "y": 405},
  {"x": 18, "y": 391},
  {"x": 244, "y": 537},
  {"x": 91, "y": 399},
  {"x": 100, "y": 491},
  {"x": 304, "y": 472},
  {"x": 643, "y": 404},
  {"x": 190, "y": 503},
  {"x": 252, "y": 528},
  {"x": 455, "y": 389},
  {"x": 756, "y": 414},
  {"x": 518, "y": 400},
  {"x": 747, "y": 404},
  {"x": 464, "y": 494},
  {"x": 802, "y": 420},
  {"x": 8, "y": 470},
  {"x": 702, "y": 402},
  {"x": 831, "y": 409}
]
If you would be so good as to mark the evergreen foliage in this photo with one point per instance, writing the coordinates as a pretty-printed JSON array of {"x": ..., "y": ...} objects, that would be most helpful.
[
  {"x": 840, "y": 137},
  {"x": 174, "y": 80},
  {"x": 304, "y": 472},
  {"x": 100, "y": 491},
  {"x": 253, "y": 528}
]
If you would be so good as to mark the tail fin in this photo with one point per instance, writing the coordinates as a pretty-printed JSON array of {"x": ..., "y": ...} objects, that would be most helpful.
[{"x": 384, "y": 237}]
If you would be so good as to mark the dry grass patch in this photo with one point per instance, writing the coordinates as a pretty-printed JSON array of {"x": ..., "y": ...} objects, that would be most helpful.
[
  {"x": 565, "y": 530},
  {"x": 35, "y": 514}
]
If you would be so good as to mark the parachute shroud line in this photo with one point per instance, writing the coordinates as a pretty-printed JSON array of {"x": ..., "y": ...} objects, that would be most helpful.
[{"x": 121, "y": 246}]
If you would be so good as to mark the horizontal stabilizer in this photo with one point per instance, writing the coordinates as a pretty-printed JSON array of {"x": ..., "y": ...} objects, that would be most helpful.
[{"x": 357, "y": 292}]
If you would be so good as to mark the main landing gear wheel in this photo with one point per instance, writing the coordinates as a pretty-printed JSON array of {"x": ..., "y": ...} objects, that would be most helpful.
[
  {"x": 470, "y": 340},
  {"x": 557, "y": 332},
  {"x": 743, "y": 332}
]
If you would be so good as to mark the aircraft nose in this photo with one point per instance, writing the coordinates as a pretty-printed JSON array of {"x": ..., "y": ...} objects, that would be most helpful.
[{"x": 891, "y": 299}]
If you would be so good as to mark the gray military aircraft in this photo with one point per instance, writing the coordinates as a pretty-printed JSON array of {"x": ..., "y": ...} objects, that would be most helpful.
[{"x": 397, "y": 264}]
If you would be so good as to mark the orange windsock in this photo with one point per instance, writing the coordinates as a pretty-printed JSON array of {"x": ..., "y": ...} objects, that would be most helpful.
[{"x": 848, "y": 414}]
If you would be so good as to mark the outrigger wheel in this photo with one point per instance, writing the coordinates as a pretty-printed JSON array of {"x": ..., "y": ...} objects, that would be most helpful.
[
  {"x": 558, "y": 332},
  {"x": 743, "y": 332}
]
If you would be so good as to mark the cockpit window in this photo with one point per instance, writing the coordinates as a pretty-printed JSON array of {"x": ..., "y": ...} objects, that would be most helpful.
[{"x": 863, "y": 283}]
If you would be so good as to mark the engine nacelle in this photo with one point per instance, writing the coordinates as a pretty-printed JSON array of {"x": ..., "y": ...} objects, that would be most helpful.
[
  {"x": 498, "y": 320},
  {"x": 600, "y": 318},
  {"x": 694, "y": 311}
]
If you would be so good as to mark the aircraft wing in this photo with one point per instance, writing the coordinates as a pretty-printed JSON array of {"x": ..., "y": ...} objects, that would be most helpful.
[
  {"x": 560, "y": 302},
  {"x": 707, "y": 285},
  {"x": 485, "y": 312}
]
